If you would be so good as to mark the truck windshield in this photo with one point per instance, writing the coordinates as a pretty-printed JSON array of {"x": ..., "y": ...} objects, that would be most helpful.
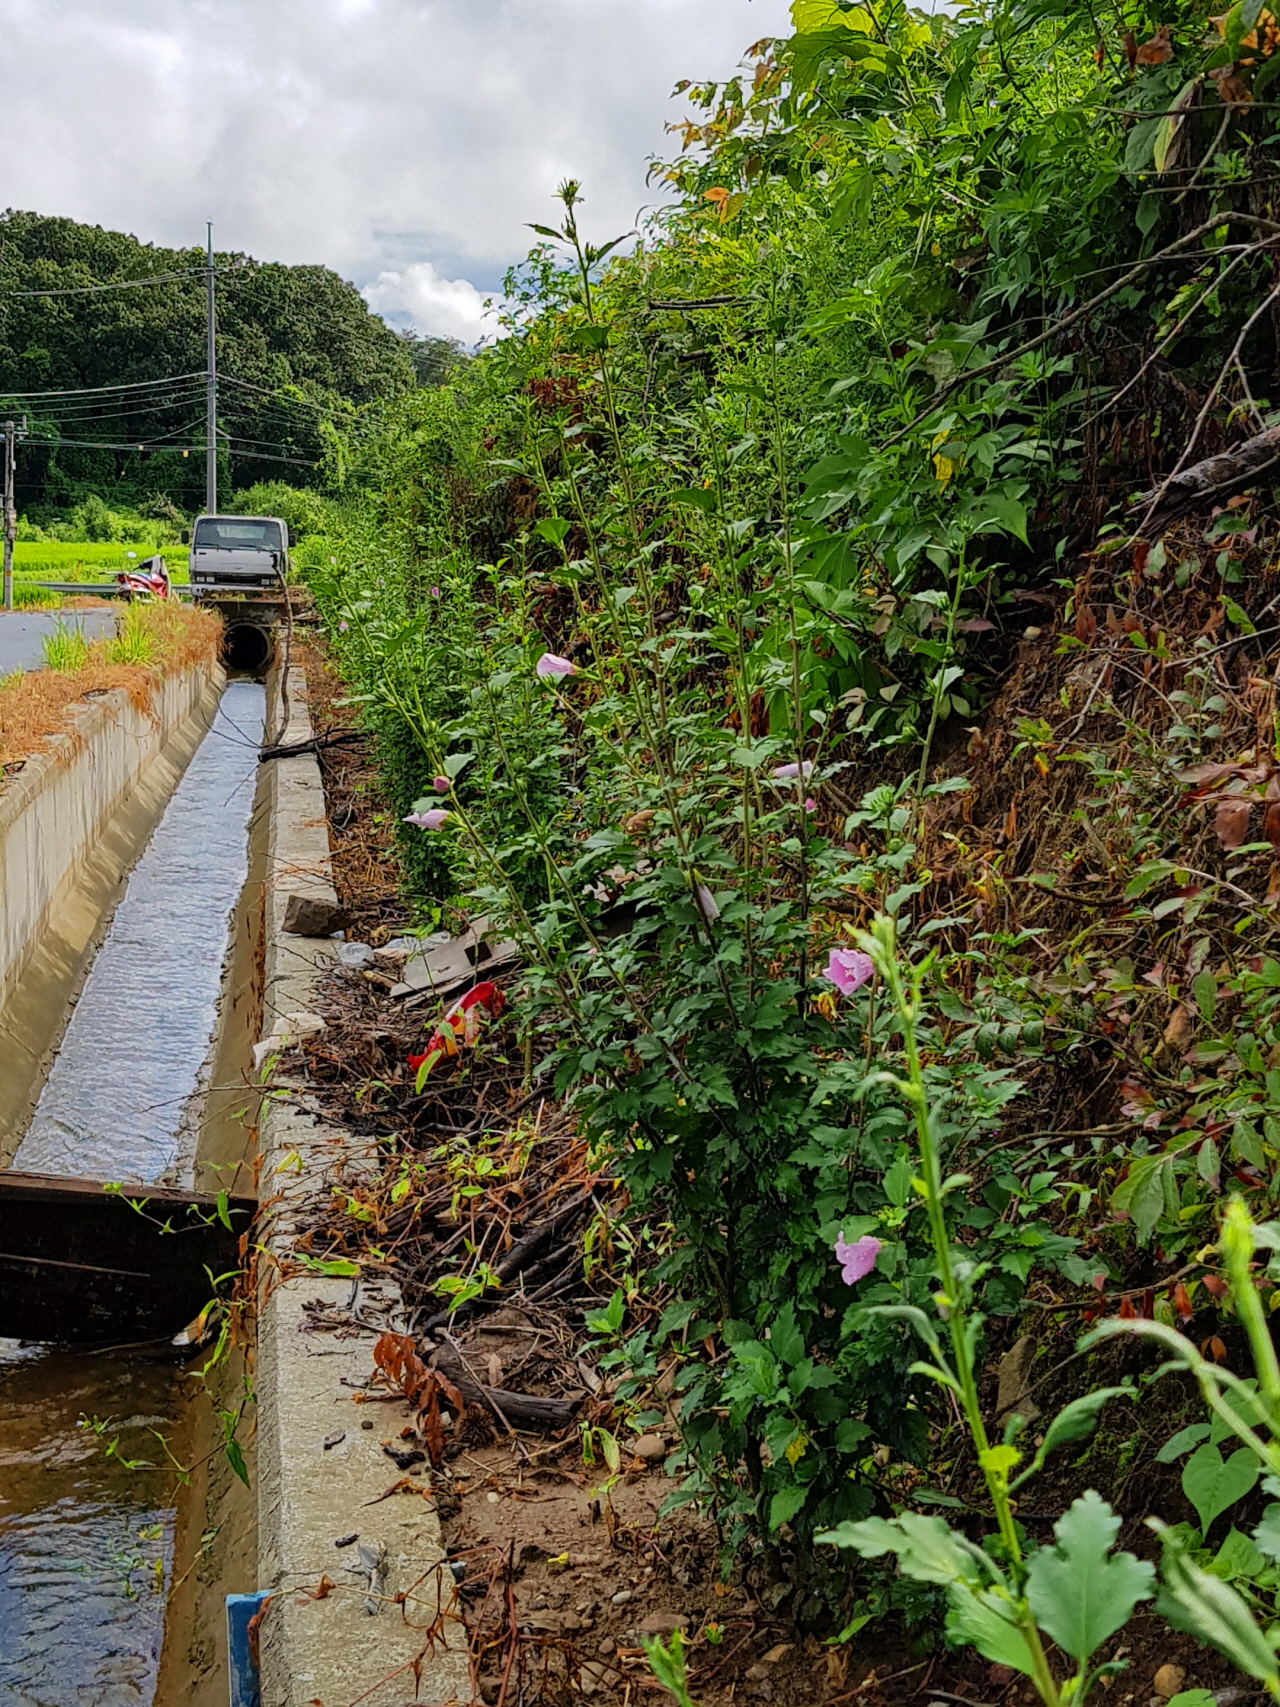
[{"x": 232, "y": 534}]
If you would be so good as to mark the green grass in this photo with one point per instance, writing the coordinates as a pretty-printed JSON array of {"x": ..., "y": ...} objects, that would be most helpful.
[
  {"x": 59, "y": 560},
  {"x": 27, "y": 596},
  {"x": 65, "y": 649},
  {"x": 132, "y": 644}
]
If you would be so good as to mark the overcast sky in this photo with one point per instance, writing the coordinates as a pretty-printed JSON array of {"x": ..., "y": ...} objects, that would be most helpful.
[{"x": 406, "y": 143}]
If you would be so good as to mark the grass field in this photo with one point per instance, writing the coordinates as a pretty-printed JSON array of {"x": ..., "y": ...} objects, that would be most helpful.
[{"x": 57, "y": 560}]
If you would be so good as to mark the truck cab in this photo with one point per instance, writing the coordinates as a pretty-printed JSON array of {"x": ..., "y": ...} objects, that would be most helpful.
[{"x": 232, "y": 554}]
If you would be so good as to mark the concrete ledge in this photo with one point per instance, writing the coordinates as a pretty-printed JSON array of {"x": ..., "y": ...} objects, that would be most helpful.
[
  {"x": 73, "y": 821},
  {"x": 330, "y": 1651}
]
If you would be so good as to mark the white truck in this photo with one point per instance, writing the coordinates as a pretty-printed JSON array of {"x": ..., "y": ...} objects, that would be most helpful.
[{"x": 238, "y": 554}]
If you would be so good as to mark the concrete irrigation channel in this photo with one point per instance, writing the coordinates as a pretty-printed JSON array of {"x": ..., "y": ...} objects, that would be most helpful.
[{"x": 156, "y": 874}]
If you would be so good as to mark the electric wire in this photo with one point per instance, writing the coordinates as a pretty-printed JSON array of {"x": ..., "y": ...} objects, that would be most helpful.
[
  {"x": 100, "y": 390},
  {"x": 122, "y": 284}
]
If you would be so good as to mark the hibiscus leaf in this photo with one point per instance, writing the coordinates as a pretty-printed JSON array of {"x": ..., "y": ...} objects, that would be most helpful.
[{"x": 1079, "y": 1592}]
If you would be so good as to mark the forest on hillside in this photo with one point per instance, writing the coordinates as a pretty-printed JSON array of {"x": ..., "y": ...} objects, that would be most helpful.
[{"x": 113, "y": 333}]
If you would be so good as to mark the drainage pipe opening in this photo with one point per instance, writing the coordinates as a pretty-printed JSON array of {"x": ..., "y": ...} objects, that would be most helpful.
[{"x": 247, "y": 649}]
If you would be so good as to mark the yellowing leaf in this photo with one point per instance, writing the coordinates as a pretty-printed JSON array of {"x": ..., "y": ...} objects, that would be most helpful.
[
  {"x": 797, "y": 1448},
  {"x": 943, "y": 469},
  {"x": 810, "y": 16}
]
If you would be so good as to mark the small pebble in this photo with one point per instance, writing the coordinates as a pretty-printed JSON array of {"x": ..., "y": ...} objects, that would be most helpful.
[
  {"x": 651, "y": 1447},
  {"x": 347, "y": 1540},
  {"x": 623, "y": 1596}
]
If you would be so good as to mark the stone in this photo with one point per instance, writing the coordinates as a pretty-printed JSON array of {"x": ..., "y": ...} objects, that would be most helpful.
[
  {"x": 303, "y": 1024},
  {"x": 623, "y": 1596},
  {"x": 651, "y": 1447},
  {"x": 662, "y": 1623},
  {"x": 608, "y": 1646},
  {"x": 1168, "y": 1681},
  {"x": 1014, "y": 1368},
  {"x": 313, "y": 915}
]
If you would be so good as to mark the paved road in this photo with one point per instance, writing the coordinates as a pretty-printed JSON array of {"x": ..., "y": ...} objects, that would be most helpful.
[{"x": 22, "y": 633}]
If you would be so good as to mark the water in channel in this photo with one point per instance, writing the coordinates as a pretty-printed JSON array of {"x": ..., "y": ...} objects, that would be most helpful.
[
  {"x": 86, "y": 1540},
  {"x": 116, "y": 1104}
]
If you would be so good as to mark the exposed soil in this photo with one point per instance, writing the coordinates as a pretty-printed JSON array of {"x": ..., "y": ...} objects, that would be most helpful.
[{"x": 566, "y": 1566}]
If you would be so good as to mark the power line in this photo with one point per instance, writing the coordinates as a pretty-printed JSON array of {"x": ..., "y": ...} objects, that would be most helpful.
[
  {"x": 118, "y": 284},
  {"x": 57, "y": 418},
  {"x": 98, "y": 390},
  {"x": 280, "y": 396}
]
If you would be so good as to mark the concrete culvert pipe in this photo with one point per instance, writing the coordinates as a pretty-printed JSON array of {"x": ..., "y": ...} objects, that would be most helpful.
[{"x": 247, "y": 648}]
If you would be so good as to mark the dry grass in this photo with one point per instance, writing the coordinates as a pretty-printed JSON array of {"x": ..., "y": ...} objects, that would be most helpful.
[{"x": 39, "y": 703}]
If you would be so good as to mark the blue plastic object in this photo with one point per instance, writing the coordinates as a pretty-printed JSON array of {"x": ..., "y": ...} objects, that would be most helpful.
[{"x": 242, "y": 1670}]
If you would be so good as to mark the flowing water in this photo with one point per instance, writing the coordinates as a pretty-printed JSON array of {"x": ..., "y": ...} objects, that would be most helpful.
[
  {"x": 86, "y": 1528},
  {"x": 117, "y": 1100}
]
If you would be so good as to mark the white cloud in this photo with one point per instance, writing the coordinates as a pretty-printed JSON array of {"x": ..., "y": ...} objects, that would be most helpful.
[
  {"x": 377, "y": 136},
  {"x": 439, "y": 307}
]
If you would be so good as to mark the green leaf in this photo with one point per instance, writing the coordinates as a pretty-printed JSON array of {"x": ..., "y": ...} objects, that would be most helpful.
[
  {"x": 1182, "y": 1442},
  {"x": 1207, "y": 1608},
  {"x": 554, "y": 529},
  {"x": 1078, "y": 1594},
  {"x": 694, "y": 497},
  {"x": 1205, "y": 989},
  {"x": 1154, "y": 871},
  {"x": 235, "y": 1457},
  {"x": 1237, "y": 1557},
  {"x": 986, "y": 1619},
  {"x": 897, "y": 1181},
  {"x": 1007, "y": 515},
  {"x": 333, "y": 1268},
  {"x": 1266, "y": 1537},
  {"x": 1141, "y": 1194},
  {"x": 1241, "y": 618},
  {"x": 1075, "y": 1421},
  {"x": 785, "y": 1339},
  {"x": 1212, "y": 1485},
  {"x": 850, "y": 1435},
  {"x": 786, "y": 1503},
  {"x": 927, "y": 1548},
  {"x": 1140, "y": 145}
]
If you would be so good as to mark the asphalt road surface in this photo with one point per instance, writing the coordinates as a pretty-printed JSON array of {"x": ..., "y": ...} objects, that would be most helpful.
[{"x": 22, "y": 633}]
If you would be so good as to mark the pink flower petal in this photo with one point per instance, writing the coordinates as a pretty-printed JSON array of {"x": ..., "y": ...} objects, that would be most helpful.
[
  {"x": 431, "y": 820},
  {"x": 550, "y": 665},
  {"x": 848, "y": 970},
  {"x": 857, "y": 1260},
  {"x": 788, "y": 773},
  {"x": 440, "y": 784}
]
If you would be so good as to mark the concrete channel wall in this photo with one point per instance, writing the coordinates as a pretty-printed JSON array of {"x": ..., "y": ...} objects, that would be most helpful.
[
  {"x": 323, "y": 1505},
  {"x": 72, "y": 823}
]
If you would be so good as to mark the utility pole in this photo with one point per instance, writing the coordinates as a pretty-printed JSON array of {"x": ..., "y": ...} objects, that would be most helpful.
[
  {"x": 10, "y": 511},
  {"x": 211, "y": 387}
]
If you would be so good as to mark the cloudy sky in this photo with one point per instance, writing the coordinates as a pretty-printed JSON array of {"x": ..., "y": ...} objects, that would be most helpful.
[{"x": 404, "y": 142}]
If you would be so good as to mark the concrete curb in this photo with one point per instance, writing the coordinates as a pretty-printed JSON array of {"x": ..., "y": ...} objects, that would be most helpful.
[{"x": 329, "y": 1651}]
